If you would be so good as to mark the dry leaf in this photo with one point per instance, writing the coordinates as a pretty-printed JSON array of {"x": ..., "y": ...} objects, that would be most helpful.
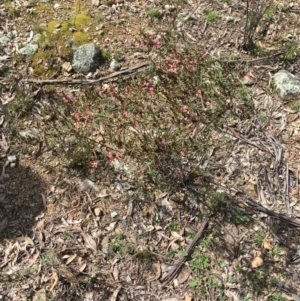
[
  {"x": 97, "y": 211},
  {"x": 40, "y": 295},
  {"x": 184, "y": 276},
  {"x": 257, "y": 262},
  {"x": 89, "y": 241},
  {"x": 115, "y": 294},
  {"x": 71, "y": 258},
  {"x": 54, "y": 279},
  {"x": 82, "y": 268},
  {"x": 187, "y": 297},
  {"x": 176, "y": 235},
  {"x": 34, "y": 258},
  {"x": 116, "y": 273},
  {"x": 25, "y": 239},
  {"x": 267, "y": 244},
  {"x": 157, "y": 268}
]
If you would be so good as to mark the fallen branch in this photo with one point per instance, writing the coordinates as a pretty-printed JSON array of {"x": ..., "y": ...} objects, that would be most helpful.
[
  {"x": 182, "y": 259},
  {"x": 126, "y": 72}
]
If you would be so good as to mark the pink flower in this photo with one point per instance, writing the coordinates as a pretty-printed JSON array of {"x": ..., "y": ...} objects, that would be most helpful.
[
  {"x": 164, "y": 145},
  {"x": 119, "y": 154},
  {"x": 110, "y": 156},
  {"x": 77, "y": 116},
  {"x": 94, "y": 164},
  {"x": 199, "y": 94},
  {"x": 150, "y": 89},
  {"x": 157, "y": 43}
]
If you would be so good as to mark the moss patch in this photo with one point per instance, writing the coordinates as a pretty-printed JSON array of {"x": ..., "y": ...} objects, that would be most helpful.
[
  {"x": 80, "y": 21},
  {"x": 56, "y": 41}
]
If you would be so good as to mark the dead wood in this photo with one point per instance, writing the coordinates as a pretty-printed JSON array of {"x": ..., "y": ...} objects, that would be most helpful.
[
  {"x": 182, "y": 259},
  {"x": 126, "y": 72}
]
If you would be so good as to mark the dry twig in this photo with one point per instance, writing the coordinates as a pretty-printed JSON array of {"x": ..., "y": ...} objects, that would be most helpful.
[
  {"x": 182, "y": 259},
  {"x": 126, "y": 72}
]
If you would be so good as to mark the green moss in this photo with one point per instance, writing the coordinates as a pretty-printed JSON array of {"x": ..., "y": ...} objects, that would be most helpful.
[
  {"x": 52, "y": 25},
  {"x": 80, "y": 21},
  {"x": 80, "y": 38},
  {"x": 42, "y": 7},
  {"x": 55, "y": 42}
]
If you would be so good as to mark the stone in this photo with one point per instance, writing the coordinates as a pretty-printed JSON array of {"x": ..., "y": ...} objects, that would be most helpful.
[
  {"x": 86, "y": 58},
  {"x": 286, "y": 83},
  {"x": 28, "y": 50},
  {"x": 4, "y": 40},
  {"x": 114, "y": 65}
]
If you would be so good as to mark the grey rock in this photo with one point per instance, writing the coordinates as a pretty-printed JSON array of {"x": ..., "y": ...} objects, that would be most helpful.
[
  {"x": 86, "y": 58},
  {"x": 29, "y": 49},
  {"x": 4, "y": 40},
  {"x": 12, "y": 159},
  {"x": 286, "y": 83},
  {"x": 88, "y": 185},
  {"x": 113, "y": 214},
  {"x": 114, "y": 65}
]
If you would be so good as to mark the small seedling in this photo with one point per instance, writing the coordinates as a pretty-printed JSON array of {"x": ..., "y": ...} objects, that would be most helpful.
[
  {"x": 239, "y": 217},
  {"x": 173, "y": 226},
  {"x": 105, "y": 54},
  {"x": 212, "y": 16},
  {"x": 117, "y": 55},
  {"x": 100, "y": 18},
  {"x": 259, "y": 237},
  {"x": 155, "y": 14}
]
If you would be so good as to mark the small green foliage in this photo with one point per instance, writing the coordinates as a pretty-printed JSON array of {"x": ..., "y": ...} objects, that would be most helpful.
[
  {"x": 155, "y": 14},
  {"x": 256, "y": 279},
  {"x": 276, "y": 297},
  {"x": 49, "y": 257},
  {"x": 218, "y": 200},
  {"x": 277, "y": 251},
  {"x": 272, "y": 282},
  {"x": 292, "y": 52},
  {"x": 212, "y": 16},
  {"x": 105, "y": 54},
  {"x": 208, "y": 239},
  {"x": 259, "y": 237},
  {"x": 194, "y": 283},
  {"x": 221, "y": 263},
  {"x": 295, "y": 105},
  {"x": 200, "y": 262},
  {"x": 100, "y": 18},
  {"x": 12, "y": 11},
  {"x": 182, "y": 253},
  {"x": 120, "y": 246},
  {"x": 65, "y": 235},
  {"x": 173, "y": 226},
  {"x": 239, "y": 217},
  {"x": 117, "y": 55},
  {"x": 245, "y": 93},
  {"x": 270, "y": 10},
  {"x": 145, "y": 257},
  {"x": 262, "y": 117},
  {"x": 22, "y": 105}
]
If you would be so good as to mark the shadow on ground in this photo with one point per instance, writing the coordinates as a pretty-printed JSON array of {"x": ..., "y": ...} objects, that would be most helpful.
[{"x": 21, "y": 201}]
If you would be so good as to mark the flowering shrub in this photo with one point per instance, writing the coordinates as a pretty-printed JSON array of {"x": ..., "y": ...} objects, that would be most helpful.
[{"x": 162, "y": 119}]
